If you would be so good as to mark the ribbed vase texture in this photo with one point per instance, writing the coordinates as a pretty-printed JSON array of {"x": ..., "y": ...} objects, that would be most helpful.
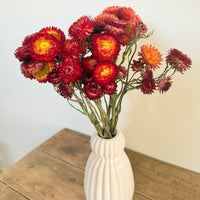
[{"x": 108, "y": 172}]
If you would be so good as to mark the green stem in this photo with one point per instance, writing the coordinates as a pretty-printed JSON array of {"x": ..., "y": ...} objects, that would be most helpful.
[
  {"x": 91, "y": 115},
  {"x": 104, "y": 118}
]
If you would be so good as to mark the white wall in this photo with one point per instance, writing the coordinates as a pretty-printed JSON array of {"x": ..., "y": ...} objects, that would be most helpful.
[{"x": 162, "y": 126}]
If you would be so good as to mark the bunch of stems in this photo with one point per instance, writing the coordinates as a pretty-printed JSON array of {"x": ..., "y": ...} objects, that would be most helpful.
[{"x": 104, "y": 112}]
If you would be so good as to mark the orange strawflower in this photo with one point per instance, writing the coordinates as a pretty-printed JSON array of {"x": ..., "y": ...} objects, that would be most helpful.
[
  {"x": 105, "y": 47},
  {"x": 150, "y": 56}
]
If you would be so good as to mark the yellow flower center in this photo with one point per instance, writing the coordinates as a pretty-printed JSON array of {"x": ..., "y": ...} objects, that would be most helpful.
[
  {"x": 105, "y": 72},
  {"x": 107, "y": 46},
  {"x": 42, "y": 46},
  {"x": 42, "y": 73}
]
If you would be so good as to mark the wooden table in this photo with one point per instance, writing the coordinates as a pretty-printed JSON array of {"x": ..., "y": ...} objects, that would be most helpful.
[{"x": 55, "y": 170}]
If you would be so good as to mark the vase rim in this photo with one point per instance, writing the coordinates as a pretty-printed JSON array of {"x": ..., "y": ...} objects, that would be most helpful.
[{"x": 118, "y": 134}]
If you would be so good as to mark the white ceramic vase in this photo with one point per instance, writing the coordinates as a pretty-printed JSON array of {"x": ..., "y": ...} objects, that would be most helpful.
[{"x": 108, "y": 172}]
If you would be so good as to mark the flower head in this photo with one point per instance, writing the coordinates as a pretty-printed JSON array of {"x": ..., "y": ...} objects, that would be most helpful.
[
  {"x": 93, "y": 90},
  {"x": 37, "y": 70},
  {"x": 72, "y": 47},
  {"x": 41, "y": 74},
  {"x": 150, "y": 56},
  {"x": 82, "y": 28},
  {"x": 148, "y": 83},
  {"x": 22, "y": 54},
  {"x": 66, "y": 90},
  {"x": 70, "y": 70},
  {"x": 56, "y": 32},
  {"x": 110, "y": 88},
  {"x": 100, "y": 20},
  {"x": 105, "y": 47},
  {"x": 25, "y": 71},
  {"x": 115, "y": 26},
  {"x": 87, "y": 77},
  {"x": 44, "y": 47},
  {"x": 53, "y": 77},
  {"x": 164, "y": 84},
  {"x": 89, "y": 63},
  {"x": 178, "y": 60},
  {"x": 28, "y": 39},
  {"x": 123, "y": 13},
  {"x": 137, "y": 65},
  {"x": 120, "y": 21},
  {"x": 105, "y": 73}
]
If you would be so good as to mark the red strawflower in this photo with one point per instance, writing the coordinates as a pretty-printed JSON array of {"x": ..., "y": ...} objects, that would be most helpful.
[
  {"x": 115, "y": 26},
  {"x": 105, "y": 47},
  {"x": 70, "y": 70},
  {"x": 92, "y": 90},
  {"x": 25, "y": 71},
  {"x": 148, "y": 86},
  {"x": 148, "y": 83},
  {"x": 115, "y": 22},
  {"x": 56, "y": 32},
  {"x": 72, "y": 47},
  {"x": 105, "y": 73},
  {"x": 89, "y": 63},
  {"x": 28, "y": 39},
  {"x": 53, "y": 77},
  {"x": 150, "y": 56},
  {"x": 22, "y": 54},
  {"x": 87, "y": 77},
  {"x": 114, "y": 30},
  {"x": 125, "y": 38},
  {"x": 137, "y": 65},
  {"x": 164, "y": 84},
  {"x": 122, "y": 72},
  {"x": 178, "y": 60},
  {"x": 110, "y": 88},
  {"x": 147, "y": 74},
  {"x": 44, "y": 47},
  {"x": 123, "y": 15},
  {"x": 82, "y": 28},
  {"x": 66, "y": 90},
  {"x": 100, "y": 20},
  {"x": 37, "y": 70}
]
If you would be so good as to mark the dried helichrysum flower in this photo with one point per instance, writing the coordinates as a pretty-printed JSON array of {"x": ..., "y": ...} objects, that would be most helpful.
[
  {"x": 82, "y": 28},
  {"x": 105, "y": 73},
  {"x": 93, "y": 90},
  {"x": 70, "y": 70},
  {"x": 164, "y": 84},
  {"x": 178, "y": 60},
  {"x": 150, "y": 56},
  {"x": 105, "y": 47}
]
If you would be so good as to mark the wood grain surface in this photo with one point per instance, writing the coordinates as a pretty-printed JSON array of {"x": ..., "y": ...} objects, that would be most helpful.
[{"x": 55, "y": 170}]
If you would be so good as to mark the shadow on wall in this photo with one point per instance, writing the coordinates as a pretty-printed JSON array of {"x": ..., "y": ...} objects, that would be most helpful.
[{"x": 5, "y": 156}]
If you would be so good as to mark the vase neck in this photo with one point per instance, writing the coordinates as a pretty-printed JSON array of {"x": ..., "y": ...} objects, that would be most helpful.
[{"x": 108, "y": 148}]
